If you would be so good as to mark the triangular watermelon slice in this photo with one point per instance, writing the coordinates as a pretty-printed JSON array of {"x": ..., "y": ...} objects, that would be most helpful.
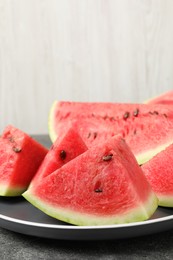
[
  {"x": 147, "y": 129},
  {"x": 64, "y": 149},
  {"x": 159, "y": 173},
  {"x": 104, "y": 185},
  {"x": 20, "y": 157}
]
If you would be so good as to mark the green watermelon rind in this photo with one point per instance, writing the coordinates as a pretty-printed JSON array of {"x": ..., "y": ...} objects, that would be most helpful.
[
  {"x": 141, "y": 213},
  {"x": 165, "y": 200},
  {"x": 8, "y": 191},
  {"x": 146, "y": 156}
]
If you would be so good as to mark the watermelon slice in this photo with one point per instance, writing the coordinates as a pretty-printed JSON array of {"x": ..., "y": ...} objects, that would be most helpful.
[
  {"x": 64, "y": 149},
  {"x": 104, "y": 185},
  {"x": 20, "y": 157},
  {"x": 159, "y": 173},
  {"x": 165, "y": 98},
  {"x": 147, "y": 129}
]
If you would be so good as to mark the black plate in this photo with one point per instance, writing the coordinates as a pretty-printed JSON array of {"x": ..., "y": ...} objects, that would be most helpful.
[{"x": 16, "y": 214}]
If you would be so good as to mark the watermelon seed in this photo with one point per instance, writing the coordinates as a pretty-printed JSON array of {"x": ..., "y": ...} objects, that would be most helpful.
[
  {"x": 63, "y": 155},
  {"x": 107, "y": 157},
  {"x": 126, "y": 115},
  {"x": 156, "y": 112},
  {"x": 165, "y": 115},
  {"x": 98, "y": 190},
  {"x": 134, "y": 132},
  {"x": 17, "y": 149},
  {"x": 95, "y": 135},
  {"x": 123, "y": 140},
  {"x": 89, "y": 134},
  {"x": 136, "y": 112},
  {"x": 11, "y": 139}
]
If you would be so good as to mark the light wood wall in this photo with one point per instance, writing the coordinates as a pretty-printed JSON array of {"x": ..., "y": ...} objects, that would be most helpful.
[{"x": 81, "y": 50}]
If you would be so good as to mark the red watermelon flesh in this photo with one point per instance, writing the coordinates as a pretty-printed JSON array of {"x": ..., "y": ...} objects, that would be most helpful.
[
  {"x": 137, "y": 123},
  {"x": 64, "y": 149},
  {"x": 165, "y": 98},
  {"x": 104, "y": 185},
  {"x": 20, "y": 157},
  {"x": 159, "y": 173}
]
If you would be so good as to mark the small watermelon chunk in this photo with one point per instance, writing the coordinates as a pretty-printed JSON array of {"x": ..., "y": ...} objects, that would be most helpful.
[
  {"x": 159, "y": 173},
  {"x": 64, "y": 149},
  {"x": 20, "y": 157},
  {"x": 104, "y": 185},
  {"x": 138, "y": 124},
  {"x": 165, "y": 98}
]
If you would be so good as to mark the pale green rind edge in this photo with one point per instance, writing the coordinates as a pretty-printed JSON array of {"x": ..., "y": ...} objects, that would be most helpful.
[
  {"x": 165, "y": 200},
  {"x": 7, "y": 191},
  {"x": 141, "y": 213},
  {"x": 146, "y": 156},
  {"x": 52, "y": 133}
]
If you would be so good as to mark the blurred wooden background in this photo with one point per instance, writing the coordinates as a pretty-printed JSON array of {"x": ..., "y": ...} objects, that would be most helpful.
[{"x": 81, "y": 50}]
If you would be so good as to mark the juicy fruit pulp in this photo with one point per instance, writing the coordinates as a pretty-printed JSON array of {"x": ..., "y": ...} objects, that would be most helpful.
[
  {"x": 64, "y": 149},
  {"x": 104, "y": 185},
  {"x": 20, "y": 157},
  {"x": 159, "y": 173},
  {"x": 147, "y": 129}
]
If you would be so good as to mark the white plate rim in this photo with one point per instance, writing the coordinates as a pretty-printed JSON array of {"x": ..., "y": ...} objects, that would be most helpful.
[
  {"x": 38, "y": 226},
  {"x": 44, "y": 225}
]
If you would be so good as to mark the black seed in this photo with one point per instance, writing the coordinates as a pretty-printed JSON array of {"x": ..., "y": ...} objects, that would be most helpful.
[
  {"x": 123, "y": 140},
  {"x": 165, "y": 115},
  {"x": 107, "y": 157},
  {"x": 98, "y": 190},
  {"x": 136, "y": 112},
  {"x": 95, "y": 135},
  {"x": 134, "y": 132},
  {"x": 126, "y": 115},
  {"x": 156, "y": 112},
  {"x": 11, "y": 139},
  {"x": 63, "y": 155},
  {"x": 89, "y": 134},
  {"x": 17, "y": 149}
]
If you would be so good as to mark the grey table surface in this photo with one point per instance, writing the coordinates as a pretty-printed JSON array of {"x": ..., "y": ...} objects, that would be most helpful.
[{"x": 19, "y": 246}]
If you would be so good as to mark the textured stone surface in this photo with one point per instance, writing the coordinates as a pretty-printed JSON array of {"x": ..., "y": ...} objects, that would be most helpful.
[{"x": 17, "y": 246}]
